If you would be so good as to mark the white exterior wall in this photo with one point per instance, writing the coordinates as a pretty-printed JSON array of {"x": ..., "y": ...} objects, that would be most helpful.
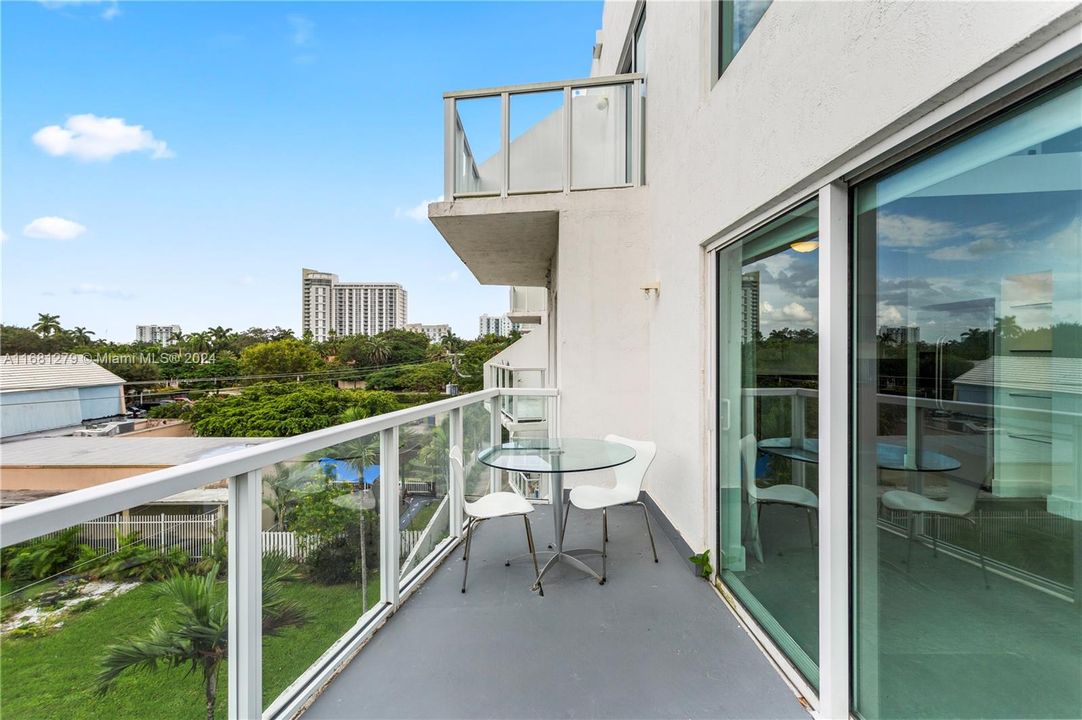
[
  {"x": 806, "y": 94},
  {"x": 156, "y": 334},
  {"x": 349, "y": 308}
]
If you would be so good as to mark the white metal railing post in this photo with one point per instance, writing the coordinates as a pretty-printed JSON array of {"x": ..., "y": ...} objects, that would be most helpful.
[
  {"x": 636, "y": 132},
  {"x": 456, "y": 440},
  {"x": 496, "y": 430},
  {"x": 834, "y": 463},
  {"x": 245, "y": 589},
  {"x": 796, "y": 433},
  {"x": 505, "y": 142},
  {"x": 567, "y": 139},
  {"x": 389, "y": 537},
  {"x": 449, "y": 158}
]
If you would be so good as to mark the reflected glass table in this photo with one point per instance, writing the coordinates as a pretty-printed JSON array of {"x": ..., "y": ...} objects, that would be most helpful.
[
  {"x": 888, "y": 456},
  {"x": 556, "y": 456}
]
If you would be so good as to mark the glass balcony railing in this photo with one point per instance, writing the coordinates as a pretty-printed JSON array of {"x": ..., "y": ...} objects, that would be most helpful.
[
  {"x": 544, "y": 137},
  {"x": 323, "y": 536}
]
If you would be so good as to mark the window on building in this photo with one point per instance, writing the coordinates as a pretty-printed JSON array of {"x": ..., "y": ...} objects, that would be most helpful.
[
  {"x": 967, "y": 557},
  {"x": 737, "y": 18}
]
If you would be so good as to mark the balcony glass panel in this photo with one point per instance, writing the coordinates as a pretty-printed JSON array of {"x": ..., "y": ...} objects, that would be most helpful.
[
  {"x": 321, "y": 537},
  {"x": 91, "y": 607},
  {"x": 768, "y": 346},
  {"x": 601, "y": 136},
  {"x": 477, "y": 137},
  {"x": 425, "y": 508},
  {"x": 537, "y": 142},
  {"x": 476, "y": 436},
  {"x": 968, "y": 545}
]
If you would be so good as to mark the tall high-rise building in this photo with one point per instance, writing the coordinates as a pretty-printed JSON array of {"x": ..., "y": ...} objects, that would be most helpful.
[
  {"x": 495, "y": 325},
  {"x": 331, "y": 306},
  {"x": 434, "y": 333},
  {"x": 749, "y": 295},
  {"x": 156, "y": 334}
]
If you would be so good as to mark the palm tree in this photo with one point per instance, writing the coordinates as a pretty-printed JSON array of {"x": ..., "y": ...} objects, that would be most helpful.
[
  {"x": 219, "y": 336},
  {"x": 200, "y": 341},
  {"x": 285, "y": 485},
  {"x": 359, "y": 453},
  {"x": 198, "y": 631},
  {"x": 377, "y": 350},
  {"x": 47, "y": 325},
  {"x": 81, "y": 335}
]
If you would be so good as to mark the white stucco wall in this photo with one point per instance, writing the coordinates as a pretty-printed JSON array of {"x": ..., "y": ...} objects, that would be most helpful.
[{"x": 816, "y": 84}]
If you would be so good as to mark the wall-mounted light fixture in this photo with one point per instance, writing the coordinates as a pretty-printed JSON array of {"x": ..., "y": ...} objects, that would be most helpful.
[
  {"x": 805, "y": 246},
  {"x": 652, "y": 288}
]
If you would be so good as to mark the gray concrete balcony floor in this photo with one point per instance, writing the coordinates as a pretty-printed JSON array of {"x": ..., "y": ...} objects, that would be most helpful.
[{"x": 653, "y": 642}]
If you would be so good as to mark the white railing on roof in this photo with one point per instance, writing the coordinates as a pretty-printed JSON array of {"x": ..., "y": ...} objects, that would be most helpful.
[{"x": 243, "y": 469}]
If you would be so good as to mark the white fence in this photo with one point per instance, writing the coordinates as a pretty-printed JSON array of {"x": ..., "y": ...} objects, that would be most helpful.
[{"x": 192, "y": 533}]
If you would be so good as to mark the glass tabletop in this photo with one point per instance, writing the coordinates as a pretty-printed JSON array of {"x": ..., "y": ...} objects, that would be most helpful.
[
  {"x": 888, "y": 456},
  {"x": 556, "y": 455}
]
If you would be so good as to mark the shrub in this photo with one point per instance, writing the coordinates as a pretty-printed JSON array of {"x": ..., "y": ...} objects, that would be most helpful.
[
  {"x": 45, "y": 557},
  {"x": 135, "y": 561},
  {"x": 336, "y": 560}
]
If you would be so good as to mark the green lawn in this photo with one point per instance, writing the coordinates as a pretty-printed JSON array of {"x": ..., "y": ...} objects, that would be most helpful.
[{"x": 53, "y": 676}]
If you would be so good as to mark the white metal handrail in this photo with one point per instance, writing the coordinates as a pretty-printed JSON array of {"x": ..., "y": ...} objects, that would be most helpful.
[{"x": 243, "y": 468}]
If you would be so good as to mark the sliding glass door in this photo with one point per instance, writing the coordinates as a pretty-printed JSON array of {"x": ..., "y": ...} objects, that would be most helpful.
[
  {"x": 967, "y": 554},
  {"x": 767, "y": 308}
]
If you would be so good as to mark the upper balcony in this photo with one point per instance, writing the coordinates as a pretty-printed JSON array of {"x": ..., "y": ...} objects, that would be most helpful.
[{"x": 515, "y": 156}]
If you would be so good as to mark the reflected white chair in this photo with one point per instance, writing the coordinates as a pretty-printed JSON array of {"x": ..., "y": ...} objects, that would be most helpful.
[
  {"x": 777, "y": 494},
  {"x": 629, "y": 480},
  {"x": 487, "y": 507},
  {"x": 960, "y": 501}
]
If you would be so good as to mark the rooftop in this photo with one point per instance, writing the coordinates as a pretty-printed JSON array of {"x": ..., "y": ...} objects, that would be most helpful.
[
  {"x": 118, "y": 451},
  {"x": 48, "y": 372}
]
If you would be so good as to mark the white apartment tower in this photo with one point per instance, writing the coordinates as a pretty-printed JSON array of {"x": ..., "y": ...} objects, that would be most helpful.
[
  {"x": 494, "y": 325},
  {"x": 156, "y": 334},
  {"x": 434, "y": 333},
  {"x": 333, "y": 308}
]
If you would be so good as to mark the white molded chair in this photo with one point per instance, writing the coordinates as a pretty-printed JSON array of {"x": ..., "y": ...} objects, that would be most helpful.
[
  {"x": 779, "y": 494},
  {"x": 493, "y": 505},
  {"x": 960, "y": 501},
  {"x": 629, "y": 480}
]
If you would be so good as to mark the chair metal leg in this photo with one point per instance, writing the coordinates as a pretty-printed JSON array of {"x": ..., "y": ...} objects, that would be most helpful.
[
  {"x": 935, "y": 538},
  {"x": 533, "y": 552},
  {"x": 646, "y": 517},
  {"x": 980, "y": 548},
  {"x": 604, "y": 543},
  {"x": 563, "y": 528},
  {"x": 909, "y": 543},
  {"x": 466, "y": 556},
  {"x": 754, "y": 512}
]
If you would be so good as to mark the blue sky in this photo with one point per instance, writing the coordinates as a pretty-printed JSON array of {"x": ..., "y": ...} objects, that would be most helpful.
[{"x": 255, "y": 138}]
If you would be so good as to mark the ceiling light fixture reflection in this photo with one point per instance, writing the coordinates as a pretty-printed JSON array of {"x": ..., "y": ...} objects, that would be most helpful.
[{"x": 805, "y": 246}]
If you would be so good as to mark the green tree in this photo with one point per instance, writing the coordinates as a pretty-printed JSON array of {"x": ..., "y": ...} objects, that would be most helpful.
[
  {"x": 196, "y": 633},
  {"x": 81, "y": 335},
  {"x": 280, "y": 357},
  {"x": 47, "y": 325}
]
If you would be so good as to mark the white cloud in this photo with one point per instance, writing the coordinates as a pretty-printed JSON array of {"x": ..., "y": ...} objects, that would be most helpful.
[
  {"x": 418, "y": 212},
  {"x": 89, "y": 137},
  {"x": 974, "y": 250},
  {"x": 102, "y": 290},
  {"x": 910, "y": 231},
  {"x": 889, "y": 315},
  {"x": 792, "y": 312},
  {"x": 450, "y": 277},
  {"x": 246, "y": 280},
  {"x": 110, "y": 12},
  {"x": 303, "y": 30},
  {"x": 53, "y": 228}
]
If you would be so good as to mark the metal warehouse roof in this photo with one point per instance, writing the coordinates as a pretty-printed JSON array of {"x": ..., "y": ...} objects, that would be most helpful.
[
  {"x": 47, "y": 371},
  {"x": 1027, "y": 372},
  {"x": 118, "y": 451}
]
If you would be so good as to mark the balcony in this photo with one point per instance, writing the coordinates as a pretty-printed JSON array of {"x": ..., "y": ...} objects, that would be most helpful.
[
  {"x": 529, "y": 305},
  {"x": 516, "y": 156},
  {"x": 402, "y": 641}
]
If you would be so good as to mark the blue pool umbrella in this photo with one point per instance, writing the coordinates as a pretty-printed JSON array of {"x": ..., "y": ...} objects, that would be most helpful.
[{"x": 344, "y": 472}]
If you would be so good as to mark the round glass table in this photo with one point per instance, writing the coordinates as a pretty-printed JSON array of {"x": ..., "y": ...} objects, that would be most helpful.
[
  {"x": 556, "y": 456},
  {"x": 888, "y": 456}
]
